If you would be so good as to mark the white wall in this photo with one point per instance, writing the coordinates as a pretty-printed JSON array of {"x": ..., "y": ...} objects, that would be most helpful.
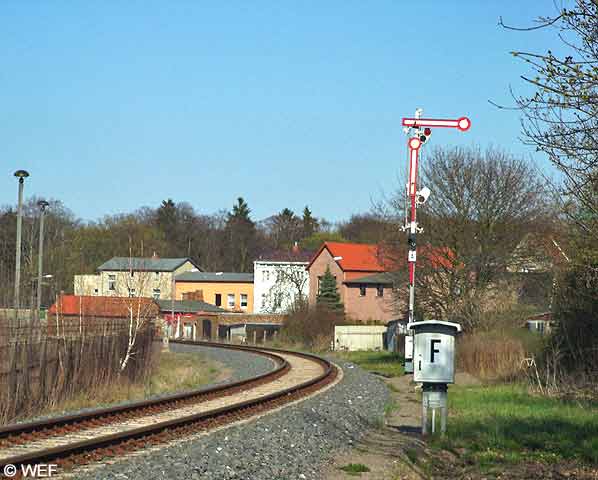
[
  {"x": 272, "y": 277},
  {"x": 87, "y": 285},
  {"x": 359, "y": 337}
]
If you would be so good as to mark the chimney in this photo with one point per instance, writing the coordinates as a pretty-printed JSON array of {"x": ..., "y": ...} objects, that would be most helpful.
[
  {"x": 155, "y": 256},
  {"x": 295, "y": 248}
]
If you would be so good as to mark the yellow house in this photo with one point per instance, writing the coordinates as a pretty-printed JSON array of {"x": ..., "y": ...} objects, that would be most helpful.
[{"x": 230, "y": 291}]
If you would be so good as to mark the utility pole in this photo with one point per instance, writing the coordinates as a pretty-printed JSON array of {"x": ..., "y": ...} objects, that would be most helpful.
[
  {"x": 42, "y": 204},
  {"x": 21, "y": 175}
]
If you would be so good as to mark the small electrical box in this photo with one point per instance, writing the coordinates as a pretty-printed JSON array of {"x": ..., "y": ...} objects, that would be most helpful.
[{"x": 434, "y": 351}]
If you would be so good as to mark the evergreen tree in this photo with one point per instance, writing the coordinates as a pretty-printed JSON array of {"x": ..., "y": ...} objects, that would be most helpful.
[
  {"x": 328, "y": 296},
  {"x": 241, "y": 238},
  {"x": 167, "y": 222},
  {"x": 310, "y": 224}
]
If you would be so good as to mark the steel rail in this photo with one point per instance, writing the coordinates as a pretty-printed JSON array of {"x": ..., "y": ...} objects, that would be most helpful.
[
  {"x": 102, "y": 413},
  {"x": 329, "y": 371}
]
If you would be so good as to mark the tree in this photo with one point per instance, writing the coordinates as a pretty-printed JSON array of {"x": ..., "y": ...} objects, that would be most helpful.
[
  {"x": 285, "y": 228},
  {"x": 288, "y": 292},
  {"x": 310, "y": 223},
  {"x": 316, "y": 240},
  {"x": 560, "y": 119},
  {"x": 328, "y": 297},
  {"x": 240, "y": 235},
  {"x": 140, "y": 311},
  {"x": 561, "y": 116},
  {"x": 365, "y": 228},
  {"x": 166, "y": 220},
  {"x": 482, "y": 206}
]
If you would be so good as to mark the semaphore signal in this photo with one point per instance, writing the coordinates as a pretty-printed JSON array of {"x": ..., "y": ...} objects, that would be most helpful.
[{"x": 419, "y": 130}]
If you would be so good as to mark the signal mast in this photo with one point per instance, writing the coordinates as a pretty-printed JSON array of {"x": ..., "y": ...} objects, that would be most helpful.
[{"x": 418, "y": 131}]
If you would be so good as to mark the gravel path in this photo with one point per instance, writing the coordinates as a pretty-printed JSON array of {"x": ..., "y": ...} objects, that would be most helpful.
[{"x": 292, "y": 443}]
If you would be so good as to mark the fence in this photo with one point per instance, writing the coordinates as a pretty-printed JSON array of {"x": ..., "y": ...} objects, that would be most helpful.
[{"x": 40, "y": 367}]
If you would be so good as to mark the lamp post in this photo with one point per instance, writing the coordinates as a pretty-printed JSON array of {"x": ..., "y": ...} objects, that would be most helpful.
[
  {"x": 42, "y": 204},
  {"x": 21, "y": 175}
]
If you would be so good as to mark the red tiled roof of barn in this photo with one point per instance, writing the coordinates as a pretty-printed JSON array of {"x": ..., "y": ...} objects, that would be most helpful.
[{"x": 92, "y": 306}]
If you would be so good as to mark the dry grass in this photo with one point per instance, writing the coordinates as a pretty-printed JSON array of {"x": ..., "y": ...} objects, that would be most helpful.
[
  {"x": 174, "y": 372},
  {"x": 40, "y": 368},
  {"x": 491, "y": 355}
]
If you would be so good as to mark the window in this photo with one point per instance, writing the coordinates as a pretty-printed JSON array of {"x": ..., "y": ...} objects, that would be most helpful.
[
  {"x": 362, "y": 290},
  {"x": 112, "y": 282},
  {"x": 95, "y": 291},
  {"x": 380, "y": 291},
  {"x": 218, "y": 299},
  {"x": 231, "y": 300},
  {"x": 265, "y": 275},
  {"x": 156, "y": 293},
  {"x": 131, "y": 292},
  {"x": 243, "y": 300}
]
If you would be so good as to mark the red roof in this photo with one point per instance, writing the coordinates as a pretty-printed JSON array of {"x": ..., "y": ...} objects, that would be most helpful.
[
  {"x": 356, "y": 257},
  {"x": 91, "y": 306}
]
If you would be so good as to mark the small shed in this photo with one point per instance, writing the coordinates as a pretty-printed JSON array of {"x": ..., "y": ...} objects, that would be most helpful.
[{"x": 359, "y": 337}]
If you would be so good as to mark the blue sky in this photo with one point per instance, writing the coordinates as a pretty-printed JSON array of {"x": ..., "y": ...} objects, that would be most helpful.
[{"x": 116, "y": 105}]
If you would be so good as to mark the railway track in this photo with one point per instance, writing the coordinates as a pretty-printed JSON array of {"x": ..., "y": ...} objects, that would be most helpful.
[{"x": 111, "y": 432}]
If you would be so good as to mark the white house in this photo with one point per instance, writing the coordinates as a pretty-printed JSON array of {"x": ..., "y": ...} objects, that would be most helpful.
[{"x": 280, "y": 279}]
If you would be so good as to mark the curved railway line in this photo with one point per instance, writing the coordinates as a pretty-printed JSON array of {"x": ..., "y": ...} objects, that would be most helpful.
[{"x": 91, "y": 436}]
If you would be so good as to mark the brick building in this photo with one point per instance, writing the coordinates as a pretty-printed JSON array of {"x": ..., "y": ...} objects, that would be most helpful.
[{"x": 365, "y": 286}]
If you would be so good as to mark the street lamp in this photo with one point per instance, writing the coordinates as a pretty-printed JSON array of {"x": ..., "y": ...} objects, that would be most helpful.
[
  {"x": 21, "y": 175},
  {"x": 42, "y": 204}
]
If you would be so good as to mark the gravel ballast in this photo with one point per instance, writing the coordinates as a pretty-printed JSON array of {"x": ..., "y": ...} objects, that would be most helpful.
[
  {"x": 241, "y": 364},
  {"x": 292, "y": 443}
]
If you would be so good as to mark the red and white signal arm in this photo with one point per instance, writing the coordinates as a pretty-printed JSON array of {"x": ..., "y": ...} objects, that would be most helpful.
[{"x": 462, "y": 123}]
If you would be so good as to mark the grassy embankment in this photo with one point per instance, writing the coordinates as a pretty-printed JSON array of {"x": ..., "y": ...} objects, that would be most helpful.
[
  {"x": 383, "y": 363},
  {"x": 495, "y": 425},
  {"x": 174, "y": 372},
  {"x": 505, "y": 424}
]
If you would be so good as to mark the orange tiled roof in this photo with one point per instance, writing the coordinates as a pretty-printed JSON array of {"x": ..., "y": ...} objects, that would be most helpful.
[
  {"x": 92, "y": 306},
  {"x": 354, "y": 256}
]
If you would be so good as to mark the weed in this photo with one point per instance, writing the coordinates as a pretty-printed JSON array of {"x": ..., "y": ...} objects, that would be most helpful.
[
  {"x": 390, "y": 407},
  {"x": 411, "y": 455},
  {"x": 355, "y": 468}
]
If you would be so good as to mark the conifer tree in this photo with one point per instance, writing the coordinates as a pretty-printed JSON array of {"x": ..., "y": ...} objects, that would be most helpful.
[
  {"x": 310, "y": 223},
  {"x": 328, "y": 296}
]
